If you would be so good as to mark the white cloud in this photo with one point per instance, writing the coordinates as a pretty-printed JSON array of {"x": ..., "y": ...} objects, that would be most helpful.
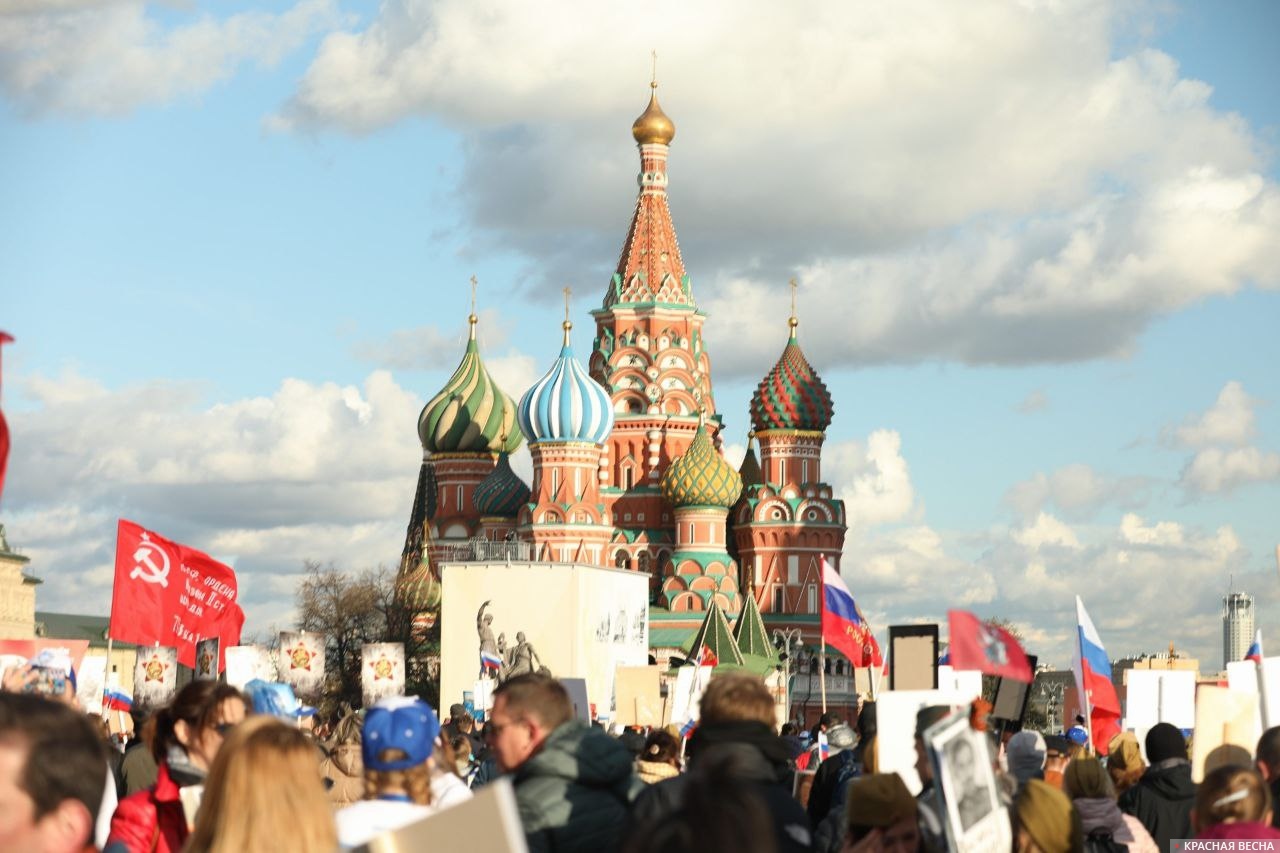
[
  {"x": 1046, "y": 531},
  {"x": 110, "y": 57},
  {"x": 872, "y": 478},
  {"x": 1223, "y": 461},
  {"x": 1230, "y": 420},
  {"x": 1216, "y": 470},
  {"x": 1077, "y": 491},
  {"x": 317, "y": 471},
  {"x": 1005, "y": 185}
]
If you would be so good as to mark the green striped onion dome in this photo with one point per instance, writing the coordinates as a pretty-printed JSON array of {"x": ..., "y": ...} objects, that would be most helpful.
[
  {"x": 792, "y": 396},
  {"x": 701, "y": 477},
  {"x": 502, "y": 492},
  {"x": 470, "y": 414},
  {"x": 419, "y": 590}
]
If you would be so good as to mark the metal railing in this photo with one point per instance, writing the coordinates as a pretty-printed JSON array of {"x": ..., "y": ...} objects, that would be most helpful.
[{"x": 477, "y": 550}]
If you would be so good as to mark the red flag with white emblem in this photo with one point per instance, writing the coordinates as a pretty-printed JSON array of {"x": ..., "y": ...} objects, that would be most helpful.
[{"x": 173, "y": 595}]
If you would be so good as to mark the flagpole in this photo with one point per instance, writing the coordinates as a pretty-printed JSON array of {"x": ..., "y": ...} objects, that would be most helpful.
[
  {"x": 822, "y": 670},
  {"x": 1084, "y": 690},
  {"x": 1262, "y": 685}
]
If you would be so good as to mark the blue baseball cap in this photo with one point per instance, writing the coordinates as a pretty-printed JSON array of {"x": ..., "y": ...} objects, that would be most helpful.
[
  {"x": 403, "y": 723},
  {"x": 1078, "y": 735},
  {"x": 277, "y": 699}
]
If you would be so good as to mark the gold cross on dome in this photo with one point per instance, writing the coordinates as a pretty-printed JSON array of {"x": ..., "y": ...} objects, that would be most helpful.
[
  {"x": 794, "y": 286},
  {"x": 653, "y": 79},
  {"x": 567, "y": 292},
  {"x": 473, "y": 294}
]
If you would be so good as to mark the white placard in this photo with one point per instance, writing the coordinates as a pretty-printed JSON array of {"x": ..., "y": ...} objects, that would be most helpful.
[
  {"x": 686, "y": 694},
  {"x": 245, "y": 663},
  {"x": 90, "y": 682},
  {"x": 577, "y": 690},
  {"x": 1242, "y": 675},
  {"x": 962, "y": 682},
  {"x": 896, "y": 729},
  {"x": 1159, "y": 696}
]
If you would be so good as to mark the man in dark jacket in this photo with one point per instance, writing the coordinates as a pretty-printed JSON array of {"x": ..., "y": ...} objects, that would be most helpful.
[
  {"x": 735, "y": 737},
  {"x": 1163, "y": 798},
  {"x": 573, "y": 783}
]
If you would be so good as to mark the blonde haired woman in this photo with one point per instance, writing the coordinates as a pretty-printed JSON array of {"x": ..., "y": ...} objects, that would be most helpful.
[{"x": 264, "y": 793}]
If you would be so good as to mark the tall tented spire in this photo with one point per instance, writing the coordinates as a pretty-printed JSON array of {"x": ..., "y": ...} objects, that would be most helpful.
[
  {"x": 749, "y": 631},
  {"x": 715, "y": 633},
  {"x": 650, "y": 269}
]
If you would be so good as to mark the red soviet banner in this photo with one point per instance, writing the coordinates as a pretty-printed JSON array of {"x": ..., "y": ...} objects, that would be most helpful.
[{"x": 173, "y": 595}]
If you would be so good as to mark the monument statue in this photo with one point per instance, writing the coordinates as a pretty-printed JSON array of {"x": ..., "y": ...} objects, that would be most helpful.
[
  {"x": 490, "y": 655},
  {"x": 522, "y": 659}
]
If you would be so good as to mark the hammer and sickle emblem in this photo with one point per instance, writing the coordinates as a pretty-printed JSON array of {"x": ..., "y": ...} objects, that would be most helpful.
[{"x": 152, "y": 573}]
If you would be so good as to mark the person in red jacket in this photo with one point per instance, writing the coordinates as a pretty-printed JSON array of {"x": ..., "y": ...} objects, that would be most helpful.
[{"x": 188, "y": 734}]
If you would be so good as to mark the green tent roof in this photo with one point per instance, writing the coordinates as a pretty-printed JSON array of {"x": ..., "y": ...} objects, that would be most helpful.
[
  {"x": 715, "y": 633},
  {"x": 749, "y": 632}
]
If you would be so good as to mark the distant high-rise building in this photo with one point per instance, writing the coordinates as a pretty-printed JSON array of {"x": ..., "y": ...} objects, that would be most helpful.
[{"x": 1237, "y": 626}]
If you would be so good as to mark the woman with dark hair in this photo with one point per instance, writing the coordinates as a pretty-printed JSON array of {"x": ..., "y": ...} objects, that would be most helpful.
[
  {"x": 660, "y": 758},
  {"x": 188, "y": 735}
]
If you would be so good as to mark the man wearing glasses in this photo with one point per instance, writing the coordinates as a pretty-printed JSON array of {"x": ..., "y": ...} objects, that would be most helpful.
[{"x": 573, "y": 783}]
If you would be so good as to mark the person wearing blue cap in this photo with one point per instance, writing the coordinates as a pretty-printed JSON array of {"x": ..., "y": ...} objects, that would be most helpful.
[{"x": 396, "y": 745}]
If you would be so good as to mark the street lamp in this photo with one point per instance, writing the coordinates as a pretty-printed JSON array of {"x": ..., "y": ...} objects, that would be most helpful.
[{"x": 786, "y": 641}]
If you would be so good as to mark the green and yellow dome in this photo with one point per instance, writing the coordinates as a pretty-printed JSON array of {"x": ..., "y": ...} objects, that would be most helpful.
[
  {"x": 470, "y": 414},
  {"x": 701, "y": 477}
]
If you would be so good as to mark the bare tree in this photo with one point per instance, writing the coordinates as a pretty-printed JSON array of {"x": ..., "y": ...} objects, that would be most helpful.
[{"x": 352, "y": 609}]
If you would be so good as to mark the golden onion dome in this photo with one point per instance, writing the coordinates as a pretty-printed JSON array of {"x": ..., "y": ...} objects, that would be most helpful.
[
  {"x": 653, "y": 126},
  {"x": 701, "y": 477}
]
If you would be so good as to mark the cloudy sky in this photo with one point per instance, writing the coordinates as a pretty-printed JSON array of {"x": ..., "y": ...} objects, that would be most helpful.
[{"x": 1038, "y": 245}]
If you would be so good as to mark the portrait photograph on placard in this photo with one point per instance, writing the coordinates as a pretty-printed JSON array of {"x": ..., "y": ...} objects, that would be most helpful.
[
  {"x": 962, "y": 765},
  {"x": 381, "y": 671},
  {"x": 155, "y": 678},
  {"x": 207, "y": 659},
  {"x": 301, "y": 662}
]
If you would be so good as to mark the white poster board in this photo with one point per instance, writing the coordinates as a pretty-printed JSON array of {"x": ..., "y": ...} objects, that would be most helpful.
[
  {"x": 1159, "y": 696},
  {"x": 381, "y": 671},
  {"x": 90, "y": 683},
  {"x": 896, "y": 729},
  {"x": 245, "y": 663},
  {"x": 962, "y": 682},
  {"x": 1225, "y": 718},
  {"x": 638, "y": 696},
  {"x": 686, "y": 694},
  {"x": 1242, "y": 675},
  {"x": 577, "y": 690}
]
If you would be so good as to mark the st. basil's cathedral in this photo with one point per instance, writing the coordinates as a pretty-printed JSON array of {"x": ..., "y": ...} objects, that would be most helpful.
[{"x": 627, "y": 468}]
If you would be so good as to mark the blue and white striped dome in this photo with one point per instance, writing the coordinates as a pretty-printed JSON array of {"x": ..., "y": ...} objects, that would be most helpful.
[{"x": 566, "y": 404}]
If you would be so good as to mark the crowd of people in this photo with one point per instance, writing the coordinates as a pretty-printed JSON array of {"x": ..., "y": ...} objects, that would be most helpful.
[{"x": 219, "y": 769}]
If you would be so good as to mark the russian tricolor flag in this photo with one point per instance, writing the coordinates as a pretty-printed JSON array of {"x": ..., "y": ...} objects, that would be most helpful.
[
  {"x": 117, "y": 700},
  {"x": 1092, "y": 669},
  {"x": 842, "y": 622},
  {"x": 488, "y": 661},
  {"x": 1255, "y": 651}
]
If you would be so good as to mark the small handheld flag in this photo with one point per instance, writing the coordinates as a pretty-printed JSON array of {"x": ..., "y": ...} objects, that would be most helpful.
[
  {"x": 117, "y": 700},
  {"x": 1255, "y": 651}
]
